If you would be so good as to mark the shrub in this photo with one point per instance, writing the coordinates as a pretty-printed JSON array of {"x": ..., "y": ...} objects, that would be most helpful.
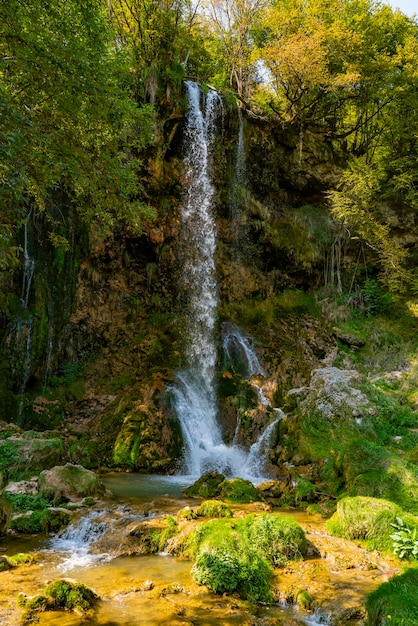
[
  {"x": 214, "y": 508},
  {"x": 395, "y": 602},
  {"x": 236, "y": 555},
  {"x": 219, "y": 570},
  {"x": 223, "y": 571},
  {"x": 22, "y": 502}
]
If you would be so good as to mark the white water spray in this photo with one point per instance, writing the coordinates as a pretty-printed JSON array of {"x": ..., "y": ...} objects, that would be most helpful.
[
  {"x": 194, "y": 392},
  {"x": 77, "y": 539}
]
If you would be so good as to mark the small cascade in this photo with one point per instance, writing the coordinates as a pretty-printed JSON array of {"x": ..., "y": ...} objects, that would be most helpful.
[
  {"x": 28, "y": 265},
  {"x": 239, "y": 180},
  {"x": 240, "y": 160},
  {"x": 78, "y": 538},
  {"x": 257, "y": 455},
  {"x": 24, "y": 337},
  {"x": 239, "y": 353}
]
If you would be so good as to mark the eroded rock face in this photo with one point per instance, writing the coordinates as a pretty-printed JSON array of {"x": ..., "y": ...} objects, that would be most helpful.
[
  {"x": 67, "y": 482},
  {"x": 333, "y": 392}
]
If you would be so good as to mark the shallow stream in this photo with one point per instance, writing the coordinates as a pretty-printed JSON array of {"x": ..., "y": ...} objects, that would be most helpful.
[{"x": 340, "y": 577}]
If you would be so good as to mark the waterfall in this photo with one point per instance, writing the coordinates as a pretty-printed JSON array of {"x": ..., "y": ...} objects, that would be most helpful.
[{"x": 194, "y": 393}]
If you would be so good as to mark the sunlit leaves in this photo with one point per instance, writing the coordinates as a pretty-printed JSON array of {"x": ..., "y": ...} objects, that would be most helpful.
[{"x": 68, "y": 120}]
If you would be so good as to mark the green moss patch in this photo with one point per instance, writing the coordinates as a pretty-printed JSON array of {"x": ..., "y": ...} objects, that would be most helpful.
[
  {"x": 369, "y": 520},
  {"x": 214, "y": 508}
]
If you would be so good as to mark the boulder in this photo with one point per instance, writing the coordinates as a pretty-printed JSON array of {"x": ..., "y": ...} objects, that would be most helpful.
[
  {"x": 333, "y": 393},
  {"x": 29, "y": 451},
  {"x": 23, "y": 487},
  {"x": 68, "y": 482}
]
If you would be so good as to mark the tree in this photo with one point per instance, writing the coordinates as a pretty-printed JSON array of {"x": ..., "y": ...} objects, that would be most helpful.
[{"x": 68, "y": 120}]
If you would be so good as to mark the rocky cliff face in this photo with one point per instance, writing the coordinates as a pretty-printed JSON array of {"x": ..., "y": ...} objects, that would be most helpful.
[{"x": 116, "y": 311}]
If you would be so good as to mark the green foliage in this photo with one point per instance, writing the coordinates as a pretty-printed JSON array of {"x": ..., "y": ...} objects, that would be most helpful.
[
  {"x": 22, "y": 502},
  {"x": 40, "y": 521},
  {"x": 395, "y": 602},
  {"x": 369, "y": 520},
  {"x": 371, "y": 470},
  {"x": 237, "y": 555},
  {"x": 222, "y": 571},
  {"x": 214, "y": 508},
  {"x": 218, "y": 570},
  {"x": 8, "y": 455},
  {"x": 68, "y": 119},
  {"x": 405, "y": 540}
]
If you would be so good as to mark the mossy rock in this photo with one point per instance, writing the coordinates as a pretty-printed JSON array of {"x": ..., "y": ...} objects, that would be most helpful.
[
  {"x": 147, "y": 441},
  {"x": 152, "y": 535},
  {"x": 395, "y": 602},
  {"x": 70, "y": 594},
  {"x": 239, "y": 490},
  {"x": 237, "y": 555},
  {"x": 214, "y": 508},
  {"x": 207, "y": 486},
  {"x": 30, "y": 452},
  {"x": 4, "y": 564},
  {"x": 369, "y": 520},
  {"x": 45, "y": 521},
  {"x": 63, "y": 483}
]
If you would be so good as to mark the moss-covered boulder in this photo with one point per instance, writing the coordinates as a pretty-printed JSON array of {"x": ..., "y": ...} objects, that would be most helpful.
[
  {"x": 207, "y": 486},
  {"x": 238, "y": 490},
  {"x": 65, "y": 593},
  {"x": 214, "y": 508},
  {"x": 29, "y": 452},
  {"x": 369, "y": 520},
  {"x": 395, "y": 602},
  {"x": 147, "y": 441},
  {"x": 67, "y": 482},
  {"x": 214, "y": 485}
]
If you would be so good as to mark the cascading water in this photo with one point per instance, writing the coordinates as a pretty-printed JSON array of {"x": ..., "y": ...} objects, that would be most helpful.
[
  {"x": 239, "y": 352},
  {"x": 77, "y": 539},
  {"x": 28, "y": 265},
  {"x": 194, "y": 395}
]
